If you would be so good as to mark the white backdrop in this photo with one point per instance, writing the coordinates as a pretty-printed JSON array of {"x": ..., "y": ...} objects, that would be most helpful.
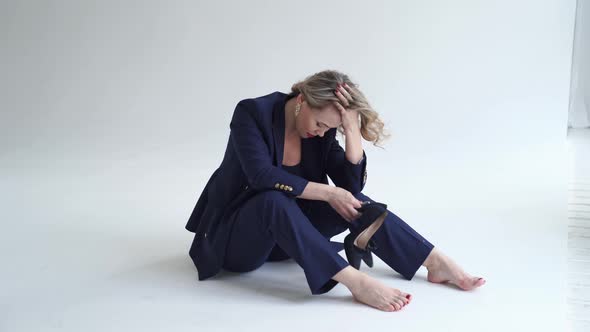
[
  {"x": 579, "y": 111},
  {"x": 92, "y": 86},
  {"x": 115, "y": 113}
]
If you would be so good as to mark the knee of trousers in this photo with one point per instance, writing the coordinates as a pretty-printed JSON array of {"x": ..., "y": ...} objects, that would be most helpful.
[
  {"x": 362, "y": 197},
  {"x": 274, "y": 204}
]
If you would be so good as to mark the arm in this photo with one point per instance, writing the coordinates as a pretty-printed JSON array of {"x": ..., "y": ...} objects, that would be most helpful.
[
  {"x": 344, "y": 173},
  {"x": 354, "y": 147},
  {"x": 318, "y": 191},
  {"x": 348, "y": 169}
]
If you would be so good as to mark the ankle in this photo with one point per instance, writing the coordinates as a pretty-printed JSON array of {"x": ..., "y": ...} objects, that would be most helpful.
[
  {"x": 350, "y": 277},
  {"x": 433, "y": 260}
]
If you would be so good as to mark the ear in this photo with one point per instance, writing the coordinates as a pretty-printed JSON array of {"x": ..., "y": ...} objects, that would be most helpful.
[{"x": 300, "y": 98}]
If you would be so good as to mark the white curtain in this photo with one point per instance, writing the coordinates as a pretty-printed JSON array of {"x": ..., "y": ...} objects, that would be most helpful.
[{"x": 579, "y": 108}]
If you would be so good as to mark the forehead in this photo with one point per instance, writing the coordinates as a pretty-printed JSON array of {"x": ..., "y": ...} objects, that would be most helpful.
[{"x": 329, "y": 115}]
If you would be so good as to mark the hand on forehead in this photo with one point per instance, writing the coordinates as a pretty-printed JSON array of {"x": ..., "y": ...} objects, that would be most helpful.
[{"x": 329, "y": 116}]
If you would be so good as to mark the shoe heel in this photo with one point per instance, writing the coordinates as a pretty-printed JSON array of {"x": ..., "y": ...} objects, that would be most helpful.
[
  {"x": 368, "y": 258},
  {"x": 353, "y": 257},
  {"x": 372, "y": 211}
]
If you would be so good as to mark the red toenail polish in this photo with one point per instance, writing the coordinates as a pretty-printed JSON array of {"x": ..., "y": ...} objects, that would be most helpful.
[{"x": 408, "y": 296}]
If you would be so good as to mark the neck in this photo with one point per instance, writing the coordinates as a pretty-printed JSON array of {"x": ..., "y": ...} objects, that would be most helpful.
[{"x": 290, "y": 117}]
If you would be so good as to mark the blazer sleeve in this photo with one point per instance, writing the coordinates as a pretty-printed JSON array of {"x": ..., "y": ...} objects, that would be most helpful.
[
  {"x": 255, "y": 158},
  {"x": 343, "y": 173}
]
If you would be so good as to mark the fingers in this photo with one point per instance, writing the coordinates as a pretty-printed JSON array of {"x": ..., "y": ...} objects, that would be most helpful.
[
  {"x": 352, "y": 213},
  {"x": 344, "y": 89},
  {"x": 354, "y": 206},
  {"x": 344, "y": 213},
  {"x": 344, "y": 96},
  {"x": 341, "y": 97},
  {"x": 340, "y": 108},
  {"x": 346, "y": 205},
  {"x": 349, "y": 213},
  {"x": 353, "y": 93}
]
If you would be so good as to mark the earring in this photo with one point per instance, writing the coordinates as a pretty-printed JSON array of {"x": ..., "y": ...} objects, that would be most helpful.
[{"x": 297, "y": 108}]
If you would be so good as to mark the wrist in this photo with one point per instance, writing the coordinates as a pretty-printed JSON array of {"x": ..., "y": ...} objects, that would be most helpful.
[
  {"x": 330, "y": 192},
  {"x": 351, "y": 131}
]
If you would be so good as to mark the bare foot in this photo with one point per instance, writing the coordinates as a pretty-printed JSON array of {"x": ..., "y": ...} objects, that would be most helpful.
[
  {"x": 442, "y": 269},
  {"x": 375, "y": 294}
]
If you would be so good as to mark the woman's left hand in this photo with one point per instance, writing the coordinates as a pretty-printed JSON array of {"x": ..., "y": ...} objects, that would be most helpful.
[{"x": 350, "y": 117}]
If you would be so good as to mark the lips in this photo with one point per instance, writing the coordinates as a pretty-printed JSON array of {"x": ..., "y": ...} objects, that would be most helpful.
[{"x": 310, "y": 135}]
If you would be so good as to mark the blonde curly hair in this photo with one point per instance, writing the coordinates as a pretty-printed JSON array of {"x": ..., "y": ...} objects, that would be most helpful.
[{"x": 318, "y": 91}]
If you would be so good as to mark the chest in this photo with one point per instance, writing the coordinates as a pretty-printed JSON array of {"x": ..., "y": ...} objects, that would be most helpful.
[{"x": 292, "y": 151}]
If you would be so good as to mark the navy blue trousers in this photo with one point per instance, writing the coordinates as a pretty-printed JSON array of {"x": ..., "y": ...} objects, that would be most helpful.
[{"x": 272, "y": 226}]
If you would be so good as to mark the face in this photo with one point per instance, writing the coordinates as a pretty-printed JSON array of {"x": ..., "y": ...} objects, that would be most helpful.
[{"x": 313, "y": 122}]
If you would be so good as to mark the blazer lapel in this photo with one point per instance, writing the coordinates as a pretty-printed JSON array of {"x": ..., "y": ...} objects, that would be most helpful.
[{"x": 278, "y": 129}]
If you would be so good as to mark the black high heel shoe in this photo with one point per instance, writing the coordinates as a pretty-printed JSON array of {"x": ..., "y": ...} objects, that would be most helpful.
[{"x": 370, "y": 213}]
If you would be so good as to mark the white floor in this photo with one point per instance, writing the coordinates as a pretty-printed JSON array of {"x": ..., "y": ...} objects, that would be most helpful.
[
  {"x": 98, "y": 245},
  {"x": 579, "y": 230}
]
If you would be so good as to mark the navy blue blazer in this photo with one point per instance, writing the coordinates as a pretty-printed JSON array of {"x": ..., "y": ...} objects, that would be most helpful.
[{"x": 253, "y": 163}]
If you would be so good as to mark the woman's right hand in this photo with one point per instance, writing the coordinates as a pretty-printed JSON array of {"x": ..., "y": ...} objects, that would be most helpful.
[{"x": 344, "y": 203}]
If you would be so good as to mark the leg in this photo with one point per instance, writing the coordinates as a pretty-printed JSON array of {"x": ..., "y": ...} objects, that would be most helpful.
[
  {"x": 404, "y": 250},
  {"x": 272, "y": 218},
  {"x": 364, "y": 288},
  {"x": 328, "y": 230},
  {"x": 399, "y": 246}
]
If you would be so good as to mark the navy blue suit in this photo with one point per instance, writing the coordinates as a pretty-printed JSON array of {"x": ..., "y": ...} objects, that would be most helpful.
[{"x": 248, "y": 212}]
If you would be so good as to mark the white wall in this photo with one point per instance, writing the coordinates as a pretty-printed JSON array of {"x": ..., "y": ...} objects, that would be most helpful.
[
  {"x": 579, "y": 111},
  {"x": 92, "y": 84}
]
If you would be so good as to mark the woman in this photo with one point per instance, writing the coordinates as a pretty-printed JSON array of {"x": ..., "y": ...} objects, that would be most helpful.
[{"x": 270, "y": 198}]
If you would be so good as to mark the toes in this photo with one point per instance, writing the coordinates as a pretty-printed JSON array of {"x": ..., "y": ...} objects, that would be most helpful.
[
  {"x": 394, "y": 305},
  {"x": 407, "y": 296},
  {"x": 478, "y": 282},
  {"x": 470, "y": 283},
  {"x": 404, "y": 300}
]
